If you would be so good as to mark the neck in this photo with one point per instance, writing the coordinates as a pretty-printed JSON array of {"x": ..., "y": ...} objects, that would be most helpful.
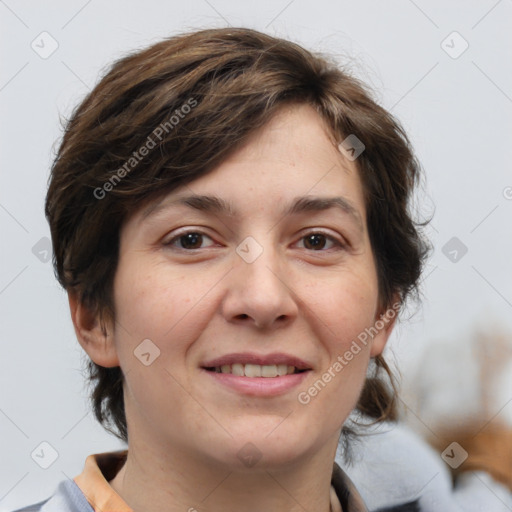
[{"x": 152, "y": 480}]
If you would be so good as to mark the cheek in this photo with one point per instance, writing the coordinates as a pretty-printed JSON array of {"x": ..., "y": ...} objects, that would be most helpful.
[
  {"x": 160, "y": 304},
  {"x": 343, "y": 316},
  {"x": 172, "y": 311},
  {"x": 345, "y": 305},
  {"x": 345, "y": 309}
]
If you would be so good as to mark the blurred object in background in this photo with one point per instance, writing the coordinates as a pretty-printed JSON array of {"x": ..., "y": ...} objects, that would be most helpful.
[
  {"x": 460, "y": 401},
  {"x": 451, "y": 451}
]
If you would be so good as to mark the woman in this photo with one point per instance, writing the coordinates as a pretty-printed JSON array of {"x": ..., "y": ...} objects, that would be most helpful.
[{"x": 229, "y": 215}]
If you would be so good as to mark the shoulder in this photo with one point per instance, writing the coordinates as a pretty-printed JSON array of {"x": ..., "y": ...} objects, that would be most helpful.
[
  {"x": 67, "y": 498},
  {"x": 36, "y": 507},
  {"x": 391, "y": 465},
  {"x": 351, "y": 501}
]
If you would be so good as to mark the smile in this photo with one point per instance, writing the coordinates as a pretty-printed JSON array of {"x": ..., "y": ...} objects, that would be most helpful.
[{"x": 256, "y": 370}]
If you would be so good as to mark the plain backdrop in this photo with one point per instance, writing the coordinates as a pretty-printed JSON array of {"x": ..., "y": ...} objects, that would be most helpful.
[{"x": 443, "y": 68}]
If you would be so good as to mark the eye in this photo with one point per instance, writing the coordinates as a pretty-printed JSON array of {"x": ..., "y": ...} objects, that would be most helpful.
[
  {"x": 193, "y": 240},
  {"x": 188, "y": 240},
  {"x": 318, "y": 241}
]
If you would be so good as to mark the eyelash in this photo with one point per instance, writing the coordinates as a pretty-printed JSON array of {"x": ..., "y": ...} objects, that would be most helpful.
[{"x": 337, "y": 244}]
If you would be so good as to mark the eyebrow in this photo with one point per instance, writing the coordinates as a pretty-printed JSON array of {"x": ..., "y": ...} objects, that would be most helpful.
[{"x": 213, "y": 204}]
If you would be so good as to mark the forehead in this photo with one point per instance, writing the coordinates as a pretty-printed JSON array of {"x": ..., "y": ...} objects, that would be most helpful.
[
  {"x": 291, "y": 164},
  {"x": 296, "y": 135}
]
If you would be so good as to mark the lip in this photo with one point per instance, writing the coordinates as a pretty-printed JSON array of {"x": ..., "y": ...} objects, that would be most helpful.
[
  {"x": 258, "y": 386},
  {"x": 260, "y": 359}
]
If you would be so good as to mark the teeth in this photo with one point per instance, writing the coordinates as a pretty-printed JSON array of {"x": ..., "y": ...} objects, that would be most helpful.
[
  {"x": 282, "y": 369},
  {"x": 269, "y": 371},
  {"x": 252, "y": 370},
  {"x": 256, "y": 370},
  {"x": 237, "y": 369}
]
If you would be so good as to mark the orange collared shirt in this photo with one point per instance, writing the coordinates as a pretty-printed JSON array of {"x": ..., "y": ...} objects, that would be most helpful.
[
  {"x": 100, "y": 468},
  {"x": 93, "y": 481}
]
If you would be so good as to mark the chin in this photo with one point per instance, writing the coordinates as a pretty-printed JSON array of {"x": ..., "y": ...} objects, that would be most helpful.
[{"x": 250, "y": 452}]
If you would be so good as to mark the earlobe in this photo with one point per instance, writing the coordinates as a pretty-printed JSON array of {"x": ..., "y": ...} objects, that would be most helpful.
[{"x": 95, "y": 337}]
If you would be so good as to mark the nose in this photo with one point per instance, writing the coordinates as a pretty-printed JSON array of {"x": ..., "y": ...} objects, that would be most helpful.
[{"x": 259, "y": 293}]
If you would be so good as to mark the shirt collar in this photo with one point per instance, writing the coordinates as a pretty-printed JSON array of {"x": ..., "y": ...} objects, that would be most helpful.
[
  {"x": 100, "y": 468},
  {"x": 93, "y": 481}
]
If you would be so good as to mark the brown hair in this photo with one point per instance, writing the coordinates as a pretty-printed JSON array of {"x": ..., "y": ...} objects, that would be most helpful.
[{"x": 190, "y": 100}]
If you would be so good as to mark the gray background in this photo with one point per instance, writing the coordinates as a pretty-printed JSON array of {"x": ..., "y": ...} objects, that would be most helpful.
[{"x": 456, "y": 108}]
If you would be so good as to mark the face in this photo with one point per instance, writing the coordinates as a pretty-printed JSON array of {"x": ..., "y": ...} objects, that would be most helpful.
[{"x": 262, "y": 266}]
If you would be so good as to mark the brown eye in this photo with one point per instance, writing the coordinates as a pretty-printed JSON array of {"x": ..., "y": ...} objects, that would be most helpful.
[
  {"x": 315, "y": 241},
  {"x": 189, "y": 241},
  {"x": 320, "y": 242}
]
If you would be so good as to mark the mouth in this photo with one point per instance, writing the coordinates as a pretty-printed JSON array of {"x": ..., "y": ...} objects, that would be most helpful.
[
  {"x": 255, "y": 375},
  {"x": 256, "y": 370}
]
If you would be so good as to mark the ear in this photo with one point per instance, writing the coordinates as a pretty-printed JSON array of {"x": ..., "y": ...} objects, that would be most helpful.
[
  {"x": 94, "y": 335},
  {"x": 384, "y": 323}
]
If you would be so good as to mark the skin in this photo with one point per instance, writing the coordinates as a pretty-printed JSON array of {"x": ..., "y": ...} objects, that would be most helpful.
[{"x": 185, "y": 429}]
